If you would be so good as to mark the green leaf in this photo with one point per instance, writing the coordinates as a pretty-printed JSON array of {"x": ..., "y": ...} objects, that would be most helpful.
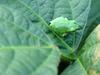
[
  {"x": 94, "y": 16},
  {"x": 93, "y": 19},
  {"x": 28, "y": 16},
  {"x": 91, "y": 59},
  {"x": 35, "y": 16},
  {"x": 25, "y": 48},
  {"x": 75, "y": 69},
  {"x": 22, "y": 53},
  {"x": 28, "y": 60},
  {"x": 91, "y": 52},
  {"x": 92, "y": 39},
  {"x": 88, "y": 62}
]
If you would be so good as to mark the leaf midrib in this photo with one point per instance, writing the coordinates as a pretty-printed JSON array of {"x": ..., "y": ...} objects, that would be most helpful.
[
  {"x": 82, "y": 66},
  {"x": 19, "y": 47}
]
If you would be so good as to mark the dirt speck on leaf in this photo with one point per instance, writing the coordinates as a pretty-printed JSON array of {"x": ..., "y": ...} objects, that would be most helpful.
[
  {"x": 96, "y": 54},
  {"x": 98, "y": 32},
  {"x": 92, "y": 72}
]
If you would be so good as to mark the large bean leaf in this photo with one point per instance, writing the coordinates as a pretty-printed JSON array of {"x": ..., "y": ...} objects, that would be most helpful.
[
  {"x": 25, "y": 23},
  {"x": 25, "y": 49},
  {"x": 35, "y": 15}
]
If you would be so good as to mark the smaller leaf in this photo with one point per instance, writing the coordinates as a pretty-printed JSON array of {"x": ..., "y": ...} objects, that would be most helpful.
[
  {"x": 92, "y": 39},
  {"x": 90, "y": 57},
  {"x": 88, "y": 62},
  {"x": 75, "y": 69}
]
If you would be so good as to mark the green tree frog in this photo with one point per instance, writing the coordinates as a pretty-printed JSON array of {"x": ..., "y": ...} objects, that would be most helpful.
[{"x": 62, "y": 25}]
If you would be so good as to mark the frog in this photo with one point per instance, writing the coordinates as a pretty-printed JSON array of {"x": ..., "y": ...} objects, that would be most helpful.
[{"x": 63, "y": 26}]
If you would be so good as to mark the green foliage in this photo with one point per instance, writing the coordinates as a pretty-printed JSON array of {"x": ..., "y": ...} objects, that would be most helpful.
[
  {"x": 29, "y": 46},
  {"x": 88, "y": 62}
]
